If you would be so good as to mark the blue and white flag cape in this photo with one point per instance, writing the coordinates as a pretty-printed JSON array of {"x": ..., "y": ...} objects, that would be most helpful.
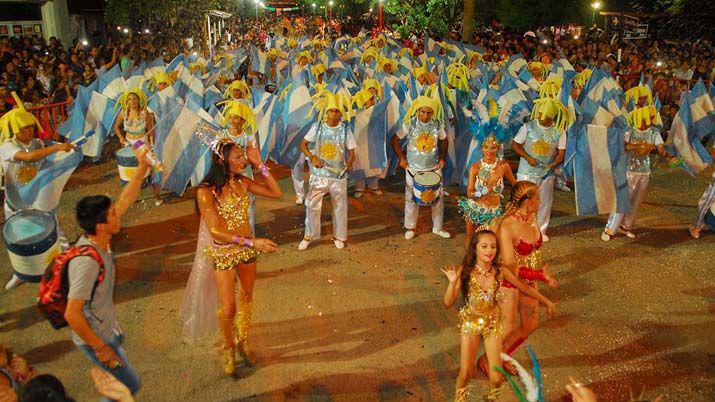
[{"x": 43, "y": 192}]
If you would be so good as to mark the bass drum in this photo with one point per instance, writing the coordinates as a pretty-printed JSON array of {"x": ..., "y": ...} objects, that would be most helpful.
[{"x": 32, "y": 242}]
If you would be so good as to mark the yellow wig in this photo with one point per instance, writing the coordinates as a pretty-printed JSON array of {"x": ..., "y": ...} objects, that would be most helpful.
[
  {"x": 242, "y": 110},
  {"x": 305, "y": 54},
  {"x": 240, "y": 85},
  {"x": 364, "y": 94},
  {"x": 553, "y": 109},
  {"x": 369, "y": 52},
  {"x": 318, "y": 69},
  {"x": 537, "y": 65},
  {"x": 641, "y": 114},
  {"x": 425, "y": 101},
  {"x": 582, "y": 78},
  {"x": 551, "y": 87},
  {"x": 383, "y": 61},
  {"x": 458, "y": 76},
  {"x": 640, "y": 91},
  {"x": 160, "y": 78},
  {"x": 15, "y": 120},
  {"x": 326, "y": 100}
]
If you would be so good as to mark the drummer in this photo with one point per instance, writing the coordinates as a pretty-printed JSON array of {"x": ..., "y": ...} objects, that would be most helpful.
[
  {"x": 135, "y": 123},
  {"x": 426, "y": 150},
  {"x": 329, "y": 139},
  {"x": 20, "y": 155}
]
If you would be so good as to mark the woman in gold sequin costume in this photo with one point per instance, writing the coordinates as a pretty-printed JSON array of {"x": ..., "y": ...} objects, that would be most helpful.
[
  {"x": 223, "y": 201},
  {"x": 521, "y": 242},
  {"x": 479, "y": 279}
]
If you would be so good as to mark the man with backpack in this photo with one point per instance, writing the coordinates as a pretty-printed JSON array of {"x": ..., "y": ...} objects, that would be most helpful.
[{"x": 90, "y": 308}]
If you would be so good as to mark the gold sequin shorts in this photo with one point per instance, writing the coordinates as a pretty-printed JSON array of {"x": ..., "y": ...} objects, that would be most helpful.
[
  {"x": 229, "y": 256},
  {"x": 487, "y": 325}
]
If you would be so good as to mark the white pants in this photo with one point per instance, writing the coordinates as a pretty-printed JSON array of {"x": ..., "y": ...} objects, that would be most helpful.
[
  {"x": 370, "y": 182},
  {"x": 637, "y": 188},
  {"x": 706, "y": 202},
  {"x": 338, "y": 190},
  {"x": 298, "y": 176},
  {"x": 546, "y": 193},
  {"x": 412, "y": 210}
]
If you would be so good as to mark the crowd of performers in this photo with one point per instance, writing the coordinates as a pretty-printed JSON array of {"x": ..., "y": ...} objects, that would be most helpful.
[{"x": 359, "y": 108}]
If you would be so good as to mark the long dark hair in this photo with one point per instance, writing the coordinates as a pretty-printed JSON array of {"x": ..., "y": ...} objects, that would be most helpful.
[
  {"x": 470, "y": 260},
  {"x": 219, "y": 173}
]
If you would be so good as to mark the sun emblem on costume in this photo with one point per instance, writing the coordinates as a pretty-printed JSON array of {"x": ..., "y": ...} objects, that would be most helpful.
[
  {"x": 26, "y": 173},
  {"x": 542, "y": 148},
  {"x": 328, "y": 150},
  {"x": 428, "y": 196},
  {"x": 425, "y": 142}
]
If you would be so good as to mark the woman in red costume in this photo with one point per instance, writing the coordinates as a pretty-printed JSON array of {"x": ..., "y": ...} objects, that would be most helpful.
[{"x": 520, "y": 247}]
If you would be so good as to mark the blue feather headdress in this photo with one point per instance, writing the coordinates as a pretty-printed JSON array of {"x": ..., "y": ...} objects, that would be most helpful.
[{"x": 487, "y": 126}]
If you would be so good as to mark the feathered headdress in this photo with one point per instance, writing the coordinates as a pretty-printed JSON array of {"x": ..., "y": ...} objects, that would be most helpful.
[
  {"x": 242, "y": 110},
  {"x": 551, "y": 87},
  {"x": 16, "y": 119},
  {"x": 124, "y": 99},
  {"x": 318, "y": 69},
  {"x": 241, "y": 86},
  {"x": 425, "y": 101},
  {"x": 458, "y": 76},
  {"x": 326, "y": 100},
  {"x": 213, "y": 139},
  {"x": 553, "y": 109},
  {"x": 490, "y": 127}
]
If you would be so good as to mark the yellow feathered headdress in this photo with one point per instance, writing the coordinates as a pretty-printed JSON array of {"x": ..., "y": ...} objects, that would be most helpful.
[
  {"x": 305, "y": 54},
  {"x": 582, "y": 78},
  {"x": 640, "y": 91},
  {"x": 364, "y": 94},
  {"x": 640, "y": 114},
  {"x": 537, "y": 65},
  {"x": 16, "y": 119},
  {"x": 369, "y": 52},
  {"x": 425, "y": 101},
  {"x": 326, "y": 100},
  {"x": 124, "y": 99},
  {"x": 276, "y": 53},
  {"x": 242, "y": 110},
  {"x": 553, "y": 109},
  {"x": 241, "y": 86},
  {"x": 194, "y": 67},
  {"x": 383, "y": 61},
  {"x": 458, "y": 76},
  {"x": 551, "y": 87},
  {"x": 228, "y": 63},
  {"x": 160, "y": 78},
  {"x": 318, "y": 69}
]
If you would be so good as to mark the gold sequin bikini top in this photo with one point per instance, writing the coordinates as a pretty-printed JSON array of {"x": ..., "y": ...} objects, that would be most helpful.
[
  {"x": 235, "y": 210},
  {"x": 482, "y": 301}
]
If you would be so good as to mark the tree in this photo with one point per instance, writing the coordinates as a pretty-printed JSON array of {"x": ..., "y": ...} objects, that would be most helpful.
[{"x": 467, "y": 20}]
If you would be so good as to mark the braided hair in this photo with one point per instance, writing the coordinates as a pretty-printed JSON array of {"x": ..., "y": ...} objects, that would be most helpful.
[{"x": 521, "y": 191}]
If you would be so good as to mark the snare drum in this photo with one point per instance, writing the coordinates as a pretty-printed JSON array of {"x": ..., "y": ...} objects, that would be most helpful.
[
  {"x": 426, "y": 188},
  {"x": 127, "y": 164},
  {"x": 32, "y": 243}
]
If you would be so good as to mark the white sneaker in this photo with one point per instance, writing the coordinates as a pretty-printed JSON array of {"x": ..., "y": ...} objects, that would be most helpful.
[
  {"x": 377, "y": 191},
  {"x": 299, "y": 201},
  {"x": 303, "y": 244},
  {"x": 605, "y": 236},
  {"x": 339, "y": 244},
  {"x": 159, "y": 202},
  {"x": 410, "y": 234},
  {"x": 562, "y": 187},
  {"x": 358, "y": 194},
  {"x": 544, "y": 238},
  {"x": 441, "y": 233},
  {"x": 13, "y": 282}
]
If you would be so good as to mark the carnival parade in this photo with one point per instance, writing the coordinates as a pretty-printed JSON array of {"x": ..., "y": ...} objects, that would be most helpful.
[{"x": 296, "y": 206}]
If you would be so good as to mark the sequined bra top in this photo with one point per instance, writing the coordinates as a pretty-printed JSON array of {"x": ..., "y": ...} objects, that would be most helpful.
[
  {"x": 482, "y": 301},
  {"x": 234, "y": 210},
  {"x": 480, "y": 186},
  {"x": 527, "y": 255},
  {"x": 137, "y": 126}
]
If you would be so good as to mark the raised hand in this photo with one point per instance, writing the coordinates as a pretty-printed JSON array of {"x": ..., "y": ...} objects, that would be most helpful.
[{"x": 452, "y": 272}]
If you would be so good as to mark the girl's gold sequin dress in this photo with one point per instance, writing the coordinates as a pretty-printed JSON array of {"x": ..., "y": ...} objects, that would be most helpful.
[
  {"x": 481, "y": 314},
  {"x": 235, "y": 212}
]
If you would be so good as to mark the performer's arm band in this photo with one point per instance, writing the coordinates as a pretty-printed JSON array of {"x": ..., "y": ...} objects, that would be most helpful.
[{"x": 532, "y": 275}]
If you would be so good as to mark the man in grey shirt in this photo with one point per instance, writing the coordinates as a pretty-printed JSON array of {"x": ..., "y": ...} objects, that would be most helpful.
[{"x": 90, "y": 306}]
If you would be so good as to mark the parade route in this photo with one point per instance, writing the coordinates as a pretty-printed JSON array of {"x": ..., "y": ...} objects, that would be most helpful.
[{"x": 367, "y": 323}]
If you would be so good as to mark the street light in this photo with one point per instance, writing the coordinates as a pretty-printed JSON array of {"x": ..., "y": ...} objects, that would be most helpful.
[
  {"x": 313, "y": 8},
  {"x": 330, "y": 12},
  {"x": 596, "y": 5},
  {"x": 256, "y": 1},
  {"x": 125, "y": 30}
]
